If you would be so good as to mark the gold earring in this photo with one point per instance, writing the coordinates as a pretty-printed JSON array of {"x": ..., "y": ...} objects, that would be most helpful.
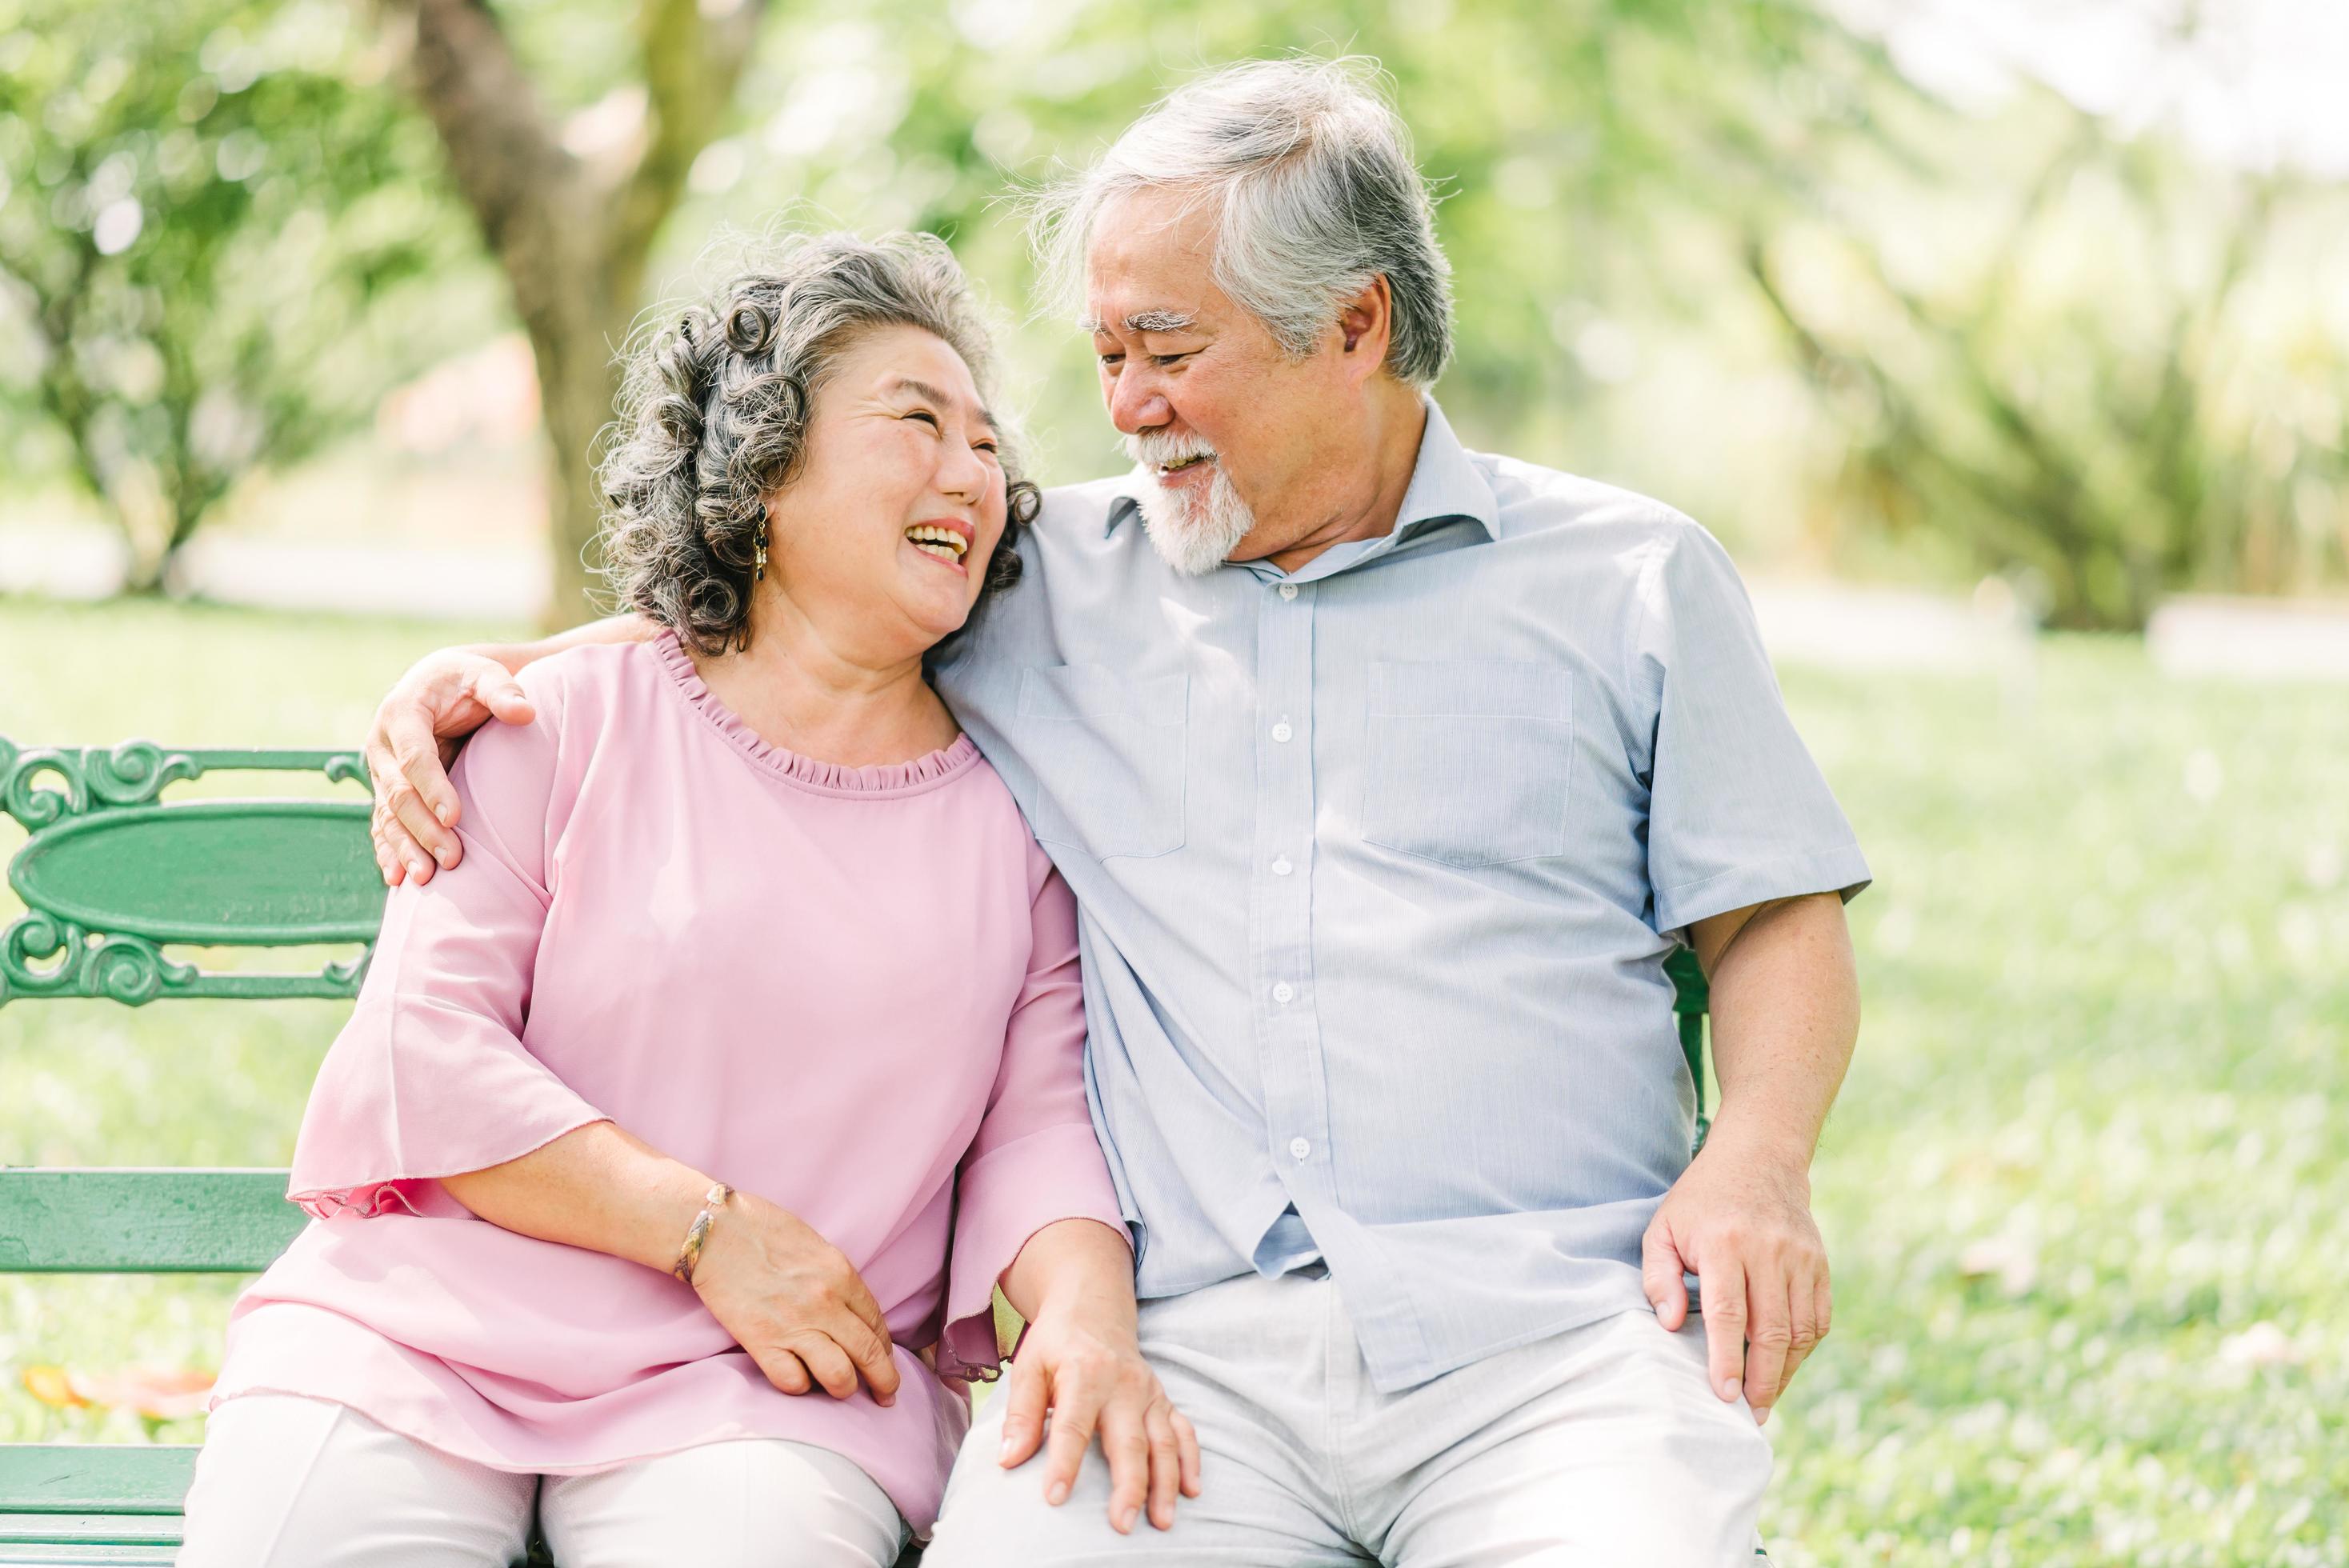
[{"x": 759, "y": 543}]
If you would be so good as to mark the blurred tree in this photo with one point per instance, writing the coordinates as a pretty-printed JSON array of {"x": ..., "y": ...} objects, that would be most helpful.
[
  {"x": 570, "y": 207},
  {"x": 2091, "y": 363},
  {"x": 206, "y": 215}
]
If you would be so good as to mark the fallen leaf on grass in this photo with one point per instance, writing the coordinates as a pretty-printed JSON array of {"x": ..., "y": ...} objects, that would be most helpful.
[
  {"x": 52, "y": 1386},
  {"x": 159, "y": 1393}
]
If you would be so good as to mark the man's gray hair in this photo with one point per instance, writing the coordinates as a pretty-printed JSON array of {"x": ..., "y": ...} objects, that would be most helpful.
[{"x": 1312, "y": 168}]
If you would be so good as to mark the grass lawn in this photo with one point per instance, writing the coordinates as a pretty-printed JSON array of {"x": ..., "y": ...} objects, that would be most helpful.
[{"x": 2086, "y": 1192}]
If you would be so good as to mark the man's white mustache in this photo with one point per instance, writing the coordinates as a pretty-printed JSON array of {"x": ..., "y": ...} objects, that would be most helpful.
[{"x": 1158, "y": 451}]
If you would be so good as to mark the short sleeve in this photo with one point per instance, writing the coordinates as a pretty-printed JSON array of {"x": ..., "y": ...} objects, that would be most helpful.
[
  {"x": 1738, "y": 811},
  {"x": 1035, "y": 1159},
  {"x": 430, "y": 1077}
]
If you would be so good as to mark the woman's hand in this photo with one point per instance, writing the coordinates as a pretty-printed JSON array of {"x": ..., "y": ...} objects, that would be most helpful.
[
  {"x": 1081, "y": 1361},
  {"x": 794, "y": 1302}
]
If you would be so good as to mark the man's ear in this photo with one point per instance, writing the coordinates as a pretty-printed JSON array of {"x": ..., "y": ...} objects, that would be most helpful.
[{"x": 1366, "y": 321}]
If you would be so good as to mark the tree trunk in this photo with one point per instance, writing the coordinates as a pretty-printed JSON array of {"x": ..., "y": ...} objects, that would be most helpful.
[
  {"x": 572, "y": 232},
  {"x": 577, "y": 380}
]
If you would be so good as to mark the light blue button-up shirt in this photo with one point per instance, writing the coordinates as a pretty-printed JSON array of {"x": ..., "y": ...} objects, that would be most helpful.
[{"x": 1378, "y": 863}]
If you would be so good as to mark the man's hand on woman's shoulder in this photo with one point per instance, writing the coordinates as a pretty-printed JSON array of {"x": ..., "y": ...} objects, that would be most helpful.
[{"x": 444, "y": 697}]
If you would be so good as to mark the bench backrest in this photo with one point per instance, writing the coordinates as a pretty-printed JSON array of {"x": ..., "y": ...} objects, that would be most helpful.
[{"x": 111, "y": 876}]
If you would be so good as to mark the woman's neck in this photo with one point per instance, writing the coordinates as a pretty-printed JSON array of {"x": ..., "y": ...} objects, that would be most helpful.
[{"x": 800, "y": 690}]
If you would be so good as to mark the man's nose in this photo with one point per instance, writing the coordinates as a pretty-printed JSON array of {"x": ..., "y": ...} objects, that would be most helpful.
[{"x": 1137, "y": 404}]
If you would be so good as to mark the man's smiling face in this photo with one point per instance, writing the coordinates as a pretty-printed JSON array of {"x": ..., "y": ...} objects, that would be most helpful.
[{"x": 1228, "y": 422}]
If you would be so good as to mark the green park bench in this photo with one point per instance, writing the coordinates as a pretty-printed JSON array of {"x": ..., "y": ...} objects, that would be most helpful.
[{"x": 112, "y": 877}]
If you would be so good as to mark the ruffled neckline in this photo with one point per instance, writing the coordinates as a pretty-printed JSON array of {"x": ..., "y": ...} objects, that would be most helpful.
[{"x": 828, "y": 777}]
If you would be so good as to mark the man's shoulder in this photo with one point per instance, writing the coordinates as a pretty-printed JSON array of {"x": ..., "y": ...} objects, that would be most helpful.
[
  {"x": 1533, "y": 498},
  {"x": 1090, "y": 503}
]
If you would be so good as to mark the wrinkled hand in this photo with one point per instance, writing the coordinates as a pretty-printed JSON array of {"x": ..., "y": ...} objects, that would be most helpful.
[
  {"x": 443, "y": 698},
  {"x": 1740, "y": 1221},
  {"x": 794, "y": 1302},
  {"x": 1081, "y": 1363}
]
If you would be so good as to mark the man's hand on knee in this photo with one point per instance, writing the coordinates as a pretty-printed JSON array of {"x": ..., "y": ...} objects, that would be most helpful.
[{"x": 1743, "y": 1227}]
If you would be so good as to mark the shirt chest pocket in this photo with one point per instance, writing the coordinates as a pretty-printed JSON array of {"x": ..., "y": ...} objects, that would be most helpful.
[
  {"x": 1107, "y": 755},
  {"x": 1467, "y": 762}
]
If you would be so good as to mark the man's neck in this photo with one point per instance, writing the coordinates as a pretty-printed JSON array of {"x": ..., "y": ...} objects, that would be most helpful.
[{"x": 1389, "y": 453}]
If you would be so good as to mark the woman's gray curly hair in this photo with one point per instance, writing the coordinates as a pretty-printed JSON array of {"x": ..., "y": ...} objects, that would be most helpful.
[{"x": 714, "y": 408}]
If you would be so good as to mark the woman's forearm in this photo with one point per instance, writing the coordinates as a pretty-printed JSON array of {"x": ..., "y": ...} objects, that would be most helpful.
[
  {"x": 1069, "y": 1264},
  {"x": 598, "y": 1187}
]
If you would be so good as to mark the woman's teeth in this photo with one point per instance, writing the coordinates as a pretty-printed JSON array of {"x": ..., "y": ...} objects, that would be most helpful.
[{"x": 943, "y": 543}]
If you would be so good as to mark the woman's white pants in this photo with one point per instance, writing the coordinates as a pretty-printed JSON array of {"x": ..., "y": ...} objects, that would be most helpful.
[{"x": 288, "y": 1482}]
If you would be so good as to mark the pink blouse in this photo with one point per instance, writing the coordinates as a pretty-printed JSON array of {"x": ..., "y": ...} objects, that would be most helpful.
[{"x": 853, "y": 991}]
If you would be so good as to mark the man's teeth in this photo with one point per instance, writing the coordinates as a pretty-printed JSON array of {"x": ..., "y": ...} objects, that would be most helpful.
[
  {"x": 943, "y": 543},
  {"x": 1179, "y": 464}
]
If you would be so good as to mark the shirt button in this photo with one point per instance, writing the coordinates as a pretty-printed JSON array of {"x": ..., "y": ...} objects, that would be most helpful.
[
  {"x": 1300, "y": 1148},
  {"x": 1284, "y": 992},
  {"x": 1289, "y": 590},
  {"x": 1281, "y": 867},
  {"x": 1281, "y": 732}
]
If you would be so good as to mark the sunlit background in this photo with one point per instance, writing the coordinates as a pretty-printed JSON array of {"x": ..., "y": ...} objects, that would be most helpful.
[{"x": 2005, "y": 343}]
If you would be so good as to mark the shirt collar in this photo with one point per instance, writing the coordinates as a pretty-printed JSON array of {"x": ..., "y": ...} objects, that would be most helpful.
[{"x": 1444, "y": 484}]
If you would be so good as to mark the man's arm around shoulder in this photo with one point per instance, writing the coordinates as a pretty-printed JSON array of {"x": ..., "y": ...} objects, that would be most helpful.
[{"x": 424, "y": 718}]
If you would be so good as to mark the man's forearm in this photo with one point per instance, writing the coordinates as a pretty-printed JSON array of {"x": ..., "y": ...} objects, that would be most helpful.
[
  {"x": 610, "y": 629},
  {"x": 1785, "y": 1015}
]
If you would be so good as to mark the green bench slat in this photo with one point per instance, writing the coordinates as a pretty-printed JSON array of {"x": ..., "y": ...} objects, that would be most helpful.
[
  {"x": 150, "y": 1529},
  {"x": 82, "y": 1553},
  {"x": 173, "y": 1221},
  {"x": 95, "y": 1478}
]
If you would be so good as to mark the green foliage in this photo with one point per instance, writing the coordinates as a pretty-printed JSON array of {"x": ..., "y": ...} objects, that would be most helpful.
[
  {"x": 2085, "y": 1192},
  {"x": 223, "y": 238},
  {"x": 2089, "y": 362}
]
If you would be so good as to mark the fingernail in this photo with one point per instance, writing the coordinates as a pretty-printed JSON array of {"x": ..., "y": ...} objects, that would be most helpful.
[
  {"x": 1762, "y": 1417},
  {"x": 1125, "y": 1520},
  {"x": 1729, "y": 1388},
  {"x": 1057, "y": 1493},
  {"x": 447, "y": 814}
]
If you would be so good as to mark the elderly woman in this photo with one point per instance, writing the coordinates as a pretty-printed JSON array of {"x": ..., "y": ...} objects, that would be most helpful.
[{"x": 666, "y": 1168}]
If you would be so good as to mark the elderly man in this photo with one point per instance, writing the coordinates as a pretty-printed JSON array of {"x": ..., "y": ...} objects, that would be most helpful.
[{"x": 1386, "y": 774}]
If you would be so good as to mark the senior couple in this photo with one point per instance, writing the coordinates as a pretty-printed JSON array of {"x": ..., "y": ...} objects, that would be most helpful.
[{"x": 1241, "y": 884}]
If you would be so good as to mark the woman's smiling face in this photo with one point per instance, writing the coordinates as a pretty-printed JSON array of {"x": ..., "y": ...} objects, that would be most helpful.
[{"x": 885, "y": 534}]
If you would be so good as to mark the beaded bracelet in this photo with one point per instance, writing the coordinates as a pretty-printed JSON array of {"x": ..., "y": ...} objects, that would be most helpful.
[{"x": 690, "y": 1254}]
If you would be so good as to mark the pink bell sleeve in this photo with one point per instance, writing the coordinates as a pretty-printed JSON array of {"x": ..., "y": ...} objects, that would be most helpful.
[
  {"x": 1035, "y": 1159},
  {"x": 430, "y": 1077}
]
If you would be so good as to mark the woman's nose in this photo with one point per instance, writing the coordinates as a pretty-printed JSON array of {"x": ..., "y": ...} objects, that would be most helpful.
[{"x": 963, "y": 472}]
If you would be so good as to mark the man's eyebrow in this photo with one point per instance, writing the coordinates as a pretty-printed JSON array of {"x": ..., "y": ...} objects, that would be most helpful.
[
  {"x": 937, "y": 395},
  {"x": 1147, "y": 321}
]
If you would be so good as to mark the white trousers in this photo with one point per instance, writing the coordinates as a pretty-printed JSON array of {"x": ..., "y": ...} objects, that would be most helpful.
[
  {"x": 1601, "y": 1445},
  {"x": 287, "y": 1482}
]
